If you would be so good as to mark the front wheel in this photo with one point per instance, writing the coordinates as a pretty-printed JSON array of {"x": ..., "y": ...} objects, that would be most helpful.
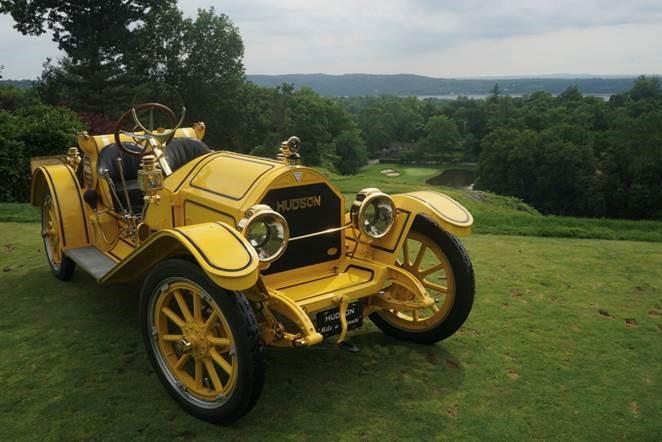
[
  {"x": 51, "y": 230},
  {"x": 441, "y": 263},
  {"x": 203, "y": 342}
]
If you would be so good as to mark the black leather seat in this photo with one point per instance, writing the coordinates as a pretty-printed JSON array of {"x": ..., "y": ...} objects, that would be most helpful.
[
  {"x": 180, "y": 151},
  {"x": 108, "y": 160}
]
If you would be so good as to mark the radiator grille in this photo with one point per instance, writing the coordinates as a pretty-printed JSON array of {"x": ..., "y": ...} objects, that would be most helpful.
[{"x": 307, "y": 209}]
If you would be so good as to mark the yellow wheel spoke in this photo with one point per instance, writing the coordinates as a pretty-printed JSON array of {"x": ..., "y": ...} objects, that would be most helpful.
[
  {"x": 225, "y": 365},
  {"x": 405, "y": 252},
  {"x": 218, "y": 342},
  {"x": 416, "y": 315},
  {"x": 197, "y": 307},
  {"x": 213, "y": 317},
  {"x": 181, "y": 302},
  {"x": 433, "y": 286},
  {"x": 172, "y": 338},
  {"x": 419, "y": 256},
  {"x": 198, "y": 373},
  {"x": 432, "y": 269},
  {"x": 173, "y": 317},
  {"x": 434, "y": 308},
  {"x": 182, "y": 361},
  {"x": 213, "y": 374}
]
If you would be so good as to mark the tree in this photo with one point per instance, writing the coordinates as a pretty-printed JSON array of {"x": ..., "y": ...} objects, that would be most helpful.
[
  {"x": 202, "y": 58},
  {"x": 351, "y": 151},
  {"x": 94, "y": 34},
  {"x": 495, "y": 93},
  {"x": 571, "y": 96},
  {"x": 646, "y": 87},
  {"x": 442, "y": 139}
]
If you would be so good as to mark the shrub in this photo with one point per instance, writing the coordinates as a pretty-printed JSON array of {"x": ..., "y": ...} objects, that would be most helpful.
[{"x": 31, "y": 130}]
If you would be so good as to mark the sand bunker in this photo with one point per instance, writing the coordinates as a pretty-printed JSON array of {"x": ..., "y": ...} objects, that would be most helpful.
[{"x": 390, "y": 172}]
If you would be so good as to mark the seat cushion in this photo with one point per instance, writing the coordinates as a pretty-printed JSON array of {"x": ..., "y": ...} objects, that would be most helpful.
[{"x": 180, "y": 151}]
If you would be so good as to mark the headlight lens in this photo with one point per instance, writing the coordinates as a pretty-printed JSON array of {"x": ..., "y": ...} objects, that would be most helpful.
[
  {"x": 373, "y": 213},
  {"x": 266, "y": 230}
]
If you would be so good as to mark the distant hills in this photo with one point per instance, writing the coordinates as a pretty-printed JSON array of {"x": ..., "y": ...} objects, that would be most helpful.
[
  {"x": 17, "y": 83},
  {"x": 349, "y": 85},
  {"x": 409, "y": 84}
]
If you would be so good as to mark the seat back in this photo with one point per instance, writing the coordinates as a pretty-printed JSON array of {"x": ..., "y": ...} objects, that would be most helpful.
[
  {"x": 108, "y": 161},
  {"x": 180, "y": 151}
]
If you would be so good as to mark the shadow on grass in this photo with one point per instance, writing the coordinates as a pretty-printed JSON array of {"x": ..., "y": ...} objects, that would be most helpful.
[{"x": 388, "y": 381}]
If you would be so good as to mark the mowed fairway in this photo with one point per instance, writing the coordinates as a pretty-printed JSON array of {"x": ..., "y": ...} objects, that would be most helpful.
[{"x": 564, "y": 342}]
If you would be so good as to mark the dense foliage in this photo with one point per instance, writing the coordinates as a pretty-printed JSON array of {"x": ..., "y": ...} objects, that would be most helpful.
[
  {"x": 567, "y": 155},
  {"x": 29, "y": 128}
]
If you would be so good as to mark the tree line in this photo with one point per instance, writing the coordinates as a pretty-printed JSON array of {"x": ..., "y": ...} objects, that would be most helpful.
[
  {"x": 566, "y": 155},
  {"x": 569, "y": 154}
]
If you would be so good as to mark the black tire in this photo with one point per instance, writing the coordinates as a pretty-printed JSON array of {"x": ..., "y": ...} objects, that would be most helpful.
[
  {"x": 464, "y": 289},
  {"x": 243, "y": 324},
  {"x": 63, "y": 270}
]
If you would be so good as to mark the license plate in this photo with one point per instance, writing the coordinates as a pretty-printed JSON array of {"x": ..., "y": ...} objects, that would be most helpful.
[{"x": 328, "y": 321}]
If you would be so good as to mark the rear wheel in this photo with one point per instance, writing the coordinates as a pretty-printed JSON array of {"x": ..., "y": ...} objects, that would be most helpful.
[
  {"x": 440, "y": 262},
  {"x": 202, "y": 341},
  {"x": 61, "y": 265}
]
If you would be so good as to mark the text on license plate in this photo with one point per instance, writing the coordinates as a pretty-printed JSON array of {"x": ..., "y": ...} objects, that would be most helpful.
[{"x": 328, "y": 321}]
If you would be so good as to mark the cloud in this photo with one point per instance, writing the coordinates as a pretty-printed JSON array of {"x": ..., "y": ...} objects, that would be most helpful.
[
  {"x": 22, "y": 56},
  {"x": 433, "y": 37}
]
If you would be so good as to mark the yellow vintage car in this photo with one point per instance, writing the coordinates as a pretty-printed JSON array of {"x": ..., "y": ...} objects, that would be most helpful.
[{"x": 237, "y": 252}]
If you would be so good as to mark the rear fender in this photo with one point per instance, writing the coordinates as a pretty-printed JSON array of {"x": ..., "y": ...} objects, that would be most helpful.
[
  {"x": 59, "y": 180},
  {"x": 220, "y": 251},
  {"x": 436, "y": 207}
]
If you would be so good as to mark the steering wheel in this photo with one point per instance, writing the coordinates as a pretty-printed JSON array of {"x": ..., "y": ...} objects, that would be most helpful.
[{"x": 143, "y": 139}]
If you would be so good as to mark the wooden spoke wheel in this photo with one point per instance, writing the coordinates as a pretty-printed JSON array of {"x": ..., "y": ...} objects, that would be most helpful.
[
  {"x": 62, "y": 266},
  {"x": 202, "y": 340},
  {"x": 193, "y": 341},
  {"x": 422, "y": 257},
  {"x": 440, "y": 262}
]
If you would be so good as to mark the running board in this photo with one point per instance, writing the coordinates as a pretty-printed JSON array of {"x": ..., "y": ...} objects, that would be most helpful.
[{"x": 91, "y": 260}]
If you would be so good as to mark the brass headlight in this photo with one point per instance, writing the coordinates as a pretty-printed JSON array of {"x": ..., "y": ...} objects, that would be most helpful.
[
  {"x": 373, "y": 213},
  {"x": 266, "y": 230}
]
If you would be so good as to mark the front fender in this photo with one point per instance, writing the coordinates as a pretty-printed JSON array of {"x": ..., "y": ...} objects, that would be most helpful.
[
  {"x": 442, "y": 210},
  {"x": 222, "y": 253}
]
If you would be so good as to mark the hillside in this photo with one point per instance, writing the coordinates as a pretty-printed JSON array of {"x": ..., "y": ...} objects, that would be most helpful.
[
  {"x": 23, "y": 84},
  {"x": 408, "y": 84}
]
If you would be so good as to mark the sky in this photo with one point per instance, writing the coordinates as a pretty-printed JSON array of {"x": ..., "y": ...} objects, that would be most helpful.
[{"x": 470, "y": 38}]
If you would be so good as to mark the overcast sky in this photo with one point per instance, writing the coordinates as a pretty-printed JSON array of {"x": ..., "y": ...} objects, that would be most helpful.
[{"x": 429, "y": 37}]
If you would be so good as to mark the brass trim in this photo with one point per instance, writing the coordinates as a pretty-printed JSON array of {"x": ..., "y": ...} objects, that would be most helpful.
[{"x": 321, "y": 232}]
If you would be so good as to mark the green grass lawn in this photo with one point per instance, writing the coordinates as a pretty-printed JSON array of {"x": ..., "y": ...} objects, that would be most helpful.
[{"x": 563, "y": 343}]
